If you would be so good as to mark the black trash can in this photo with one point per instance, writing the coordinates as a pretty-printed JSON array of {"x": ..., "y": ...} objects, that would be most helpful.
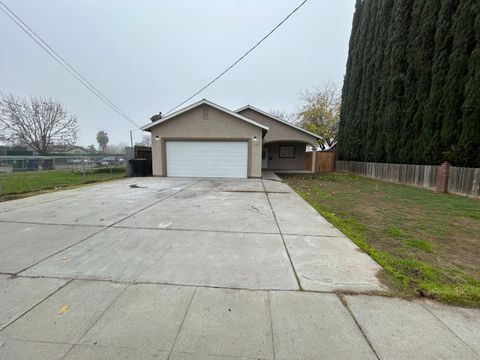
[{"x": 139, "y": 167}]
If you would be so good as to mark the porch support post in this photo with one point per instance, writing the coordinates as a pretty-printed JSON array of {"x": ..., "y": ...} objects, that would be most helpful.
[{"x": 314, "y": 160}]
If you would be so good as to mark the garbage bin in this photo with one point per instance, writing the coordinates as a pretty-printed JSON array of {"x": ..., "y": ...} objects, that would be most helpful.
[{"x": 139, "y": 167}]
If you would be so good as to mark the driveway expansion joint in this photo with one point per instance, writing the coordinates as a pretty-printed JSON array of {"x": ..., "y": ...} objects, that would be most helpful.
[
  {"x": 79, "y": 341},
  {"x": 347, "y": 307},
  {"x": 447, "y": 327},
  {"x": 181, "y": 324},
  {"x": 36, "y": 305},
  {"x": 271, "y": 324},
  {"x": 102, "y": 228},
  {"x": 297, "y": 278},
  {"x": 135, "y": 282}
]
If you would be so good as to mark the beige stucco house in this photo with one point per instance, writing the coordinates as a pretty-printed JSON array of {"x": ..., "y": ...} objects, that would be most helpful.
[{"x": 208, "y": 140}]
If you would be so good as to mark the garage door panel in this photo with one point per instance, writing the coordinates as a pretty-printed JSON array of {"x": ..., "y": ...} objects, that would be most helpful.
[{"x": 207, "y": 158}]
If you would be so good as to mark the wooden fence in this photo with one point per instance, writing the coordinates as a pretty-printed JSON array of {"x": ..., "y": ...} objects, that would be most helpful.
[
  {"x": 417, "y": 175},
  {"x": 464, "y": 181},
  {"x": 461, "y": 181},
  {"x": 325, "y": 161},
  {"x": 144, "y": 152}
]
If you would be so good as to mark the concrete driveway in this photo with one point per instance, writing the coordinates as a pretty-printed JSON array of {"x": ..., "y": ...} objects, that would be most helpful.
[{"x": 162, "y": 268}]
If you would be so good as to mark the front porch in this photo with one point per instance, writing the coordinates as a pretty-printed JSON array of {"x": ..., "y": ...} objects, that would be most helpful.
[{"x": 287, "y": 156}]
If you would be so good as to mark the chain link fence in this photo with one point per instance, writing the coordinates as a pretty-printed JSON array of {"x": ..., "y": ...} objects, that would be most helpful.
[{"x": 30, "y": 173}]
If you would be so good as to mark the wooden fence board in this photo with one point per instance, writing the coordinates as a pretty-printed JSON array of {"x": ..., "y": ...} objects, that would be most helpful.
[
  {"x": 461, "y": 181},
  {"x": 417, "y": 175},
  {"x": 464, "y": 181},
  {"x": 144, "y": 152}
]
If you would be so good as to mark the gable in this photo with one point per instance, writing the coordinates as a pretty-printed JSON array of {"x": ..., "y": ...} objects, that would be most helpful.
[
  {"x": 204, "y": 102},
  {"x": 279, "y": 130},
  {"x": 205, "y": 121}
]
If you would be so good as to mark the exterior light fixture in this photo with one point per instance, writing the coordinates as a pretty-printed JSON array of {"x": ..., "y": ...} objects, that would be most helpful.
[
  {"x": 254, "y": 138},
  {"x": 157, "y": 138}
]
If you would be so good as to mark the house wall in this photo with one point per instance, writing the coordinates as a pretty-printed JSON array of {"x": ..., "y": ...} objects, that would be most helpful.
[
  {"x": 275, "y": 162},
  {"x": 277, "y": 130},
  {"x": 206, "y": 123}
]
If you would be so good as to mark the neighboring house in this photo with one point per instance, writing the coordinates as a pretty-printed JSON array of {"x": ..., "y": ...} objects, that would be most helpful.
[
  {"x": 17, "y": 150},
  {"x": 75, "y": 150},
  {"x": 208, "y": 140}
]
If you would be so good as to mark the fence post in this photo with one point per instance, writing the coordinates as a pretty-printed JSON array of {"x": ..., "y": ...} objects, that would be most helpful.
[
  {"x": 83, "y": 165},
  {"x": 443, "y": 172}
]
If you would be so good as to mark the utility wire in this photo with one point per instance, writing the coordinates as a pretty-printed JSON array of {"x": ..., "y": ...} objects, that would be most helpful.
[
  {"x": 239, "y": 59},
  {"x": 62, "y": 62}
]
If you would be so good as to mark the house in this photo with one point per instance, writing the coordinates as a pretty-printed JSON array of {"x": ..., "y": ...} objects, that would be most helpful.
[
  {"x": 208, "y": 140},
  {"x": 18, "y": 150},
  {"x": 74, "y": 150}
]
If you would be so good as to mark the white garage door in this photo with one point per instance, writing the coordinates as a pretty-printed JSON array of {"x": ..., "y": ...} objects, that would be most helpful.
[{"x": 227, "y": 159}]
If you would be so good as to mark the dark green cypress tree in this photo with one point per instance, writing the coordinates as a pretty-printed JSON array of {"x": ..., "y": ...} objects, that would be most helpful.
[
  {"x": 434, "y": 111},
  {"x": 349, "y": 93},
  {"x": 394, "y": 111},
  {"x": 414, "y": 59},
  {"x": 379, "y": 150},
  {"x": 412, "y": 87},
  {"x": 367, "y": 67},
  {"x": 469, "y": 141},
  {"x": 384, "y": 9},
  {"x": 424, "y": 60},
  {"x": 463, "y": 43}
]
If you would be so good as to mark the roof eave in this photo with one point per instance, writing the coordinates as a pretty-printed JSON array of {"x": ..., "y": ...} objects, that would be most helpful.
[
  {"x": 279, "y": 120},
  {"x": 198, "y": 103}
]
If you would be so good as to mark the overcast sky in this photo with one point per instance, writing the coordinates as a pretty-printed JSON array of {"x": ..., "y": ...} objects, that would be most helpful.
[{"x": 147, "y": 56}]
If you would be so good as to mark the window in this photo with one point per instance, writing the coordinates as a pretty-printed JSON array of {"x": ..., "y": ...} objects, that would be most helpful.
[{"x": 287, "y": 151}]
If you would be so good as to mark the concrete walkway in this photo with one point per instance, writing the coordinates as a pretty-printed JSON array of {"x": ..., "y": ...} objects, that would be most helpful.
[{"x": 161, "y": 268}]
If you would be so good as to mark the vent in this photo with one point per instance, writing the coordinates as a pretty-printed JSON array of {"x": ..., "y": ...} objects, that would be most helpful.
[{"x": 205, "y": 113}]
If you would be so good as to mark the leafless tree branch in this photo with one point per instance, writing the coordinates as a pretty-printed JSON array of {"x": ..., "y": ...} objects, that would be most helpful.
[{"x": 36, "y": 121}]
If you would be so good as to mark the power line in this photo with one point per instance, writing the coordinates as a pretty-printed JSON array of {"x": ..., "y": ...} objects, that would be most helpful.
[
  {"x": 98, "y": 129},
  {"x": 62, "y": 62},
  {"x": 239, "y": 59}
]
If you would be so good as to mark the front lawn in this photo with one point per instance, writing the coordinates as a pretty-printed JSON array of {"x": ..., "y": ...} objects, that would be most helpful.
[
  {"x": 427, "y": 242},
  {"x": 25, "y": 182}
]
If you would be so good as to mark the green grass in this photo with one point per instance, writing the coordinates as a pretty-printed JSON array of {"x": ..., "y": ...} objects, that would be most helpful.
[
  {"x": 33, "y": 181},
  {"x": 427, "y": 242}
]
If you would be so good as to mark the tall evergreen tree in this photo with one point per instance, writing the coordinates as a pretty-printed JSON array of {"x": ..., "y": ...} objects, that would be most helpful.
[
  {"x": 411, "y": 90},
  {"x": 469, "y": 141},
  {"x": 424, "y": 61},
  {"x": 463, "y": 43},
  {"x": 346, "y": 135},
  {"x": 394, "y": 112},
  {"x": 348, "y": 92},
  {"x": 380, "y": 137},
  {"x": 378, "y": 58},
  {"x": 435, "y": 109},
  {"x": 413, "y": 74}
]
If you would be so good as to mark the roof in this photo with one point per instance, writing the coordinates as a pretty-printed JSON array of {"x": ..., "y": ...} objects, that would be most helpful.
[
  {"x": 275, "y": 118},
  {"x": 204, "y": 102}
]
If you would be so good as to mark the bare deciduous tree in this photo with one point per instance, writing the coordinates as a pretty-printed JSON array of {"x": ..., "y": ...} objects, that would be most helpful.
[
  {"x": 36, "y": 121},
  {"x": 291, "y": 118},
  {"x": 118, "y": 149},
  {"x": 146, "y": 140}
]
